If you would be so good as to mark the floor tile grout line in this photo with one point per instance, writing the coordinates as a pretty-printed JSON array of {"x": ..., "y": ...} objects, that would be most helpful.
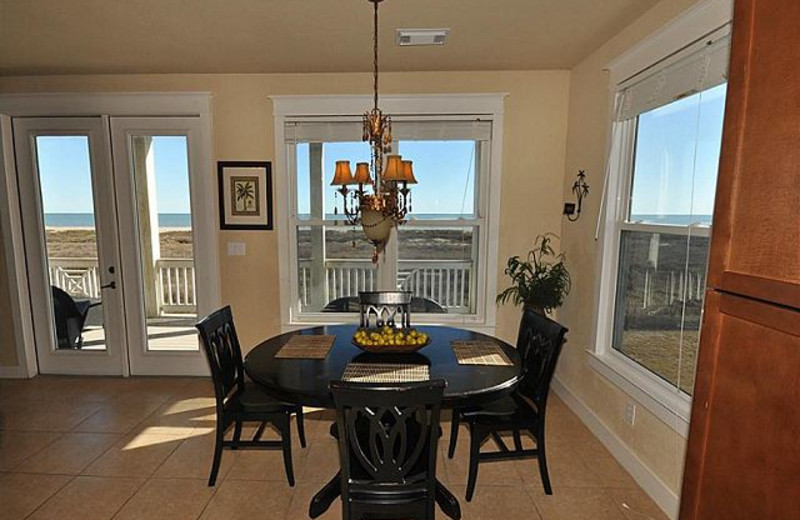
[
  {"x": 80, "y": 472},
  {"x": 46, "y": 500},
  {"x": 170, "y": 454},
  {"x": 61, "y": 434},
  {"x": 529, "y": 491},
  {"x": 140, "y": 486}
]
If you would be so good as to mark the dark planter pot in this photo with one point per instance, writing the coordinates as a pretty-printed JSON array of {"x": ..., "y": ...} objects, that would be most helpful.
[{"x": 535, "y": 308}]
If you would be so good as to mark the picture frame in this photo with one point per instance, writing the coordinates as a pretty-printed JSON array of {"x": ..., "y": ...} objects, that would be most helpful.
[{"x": 245, "y": 195}]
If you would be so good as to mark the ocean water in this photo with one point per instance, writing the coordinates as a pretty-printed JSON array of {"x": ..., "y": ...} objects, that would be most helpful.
[
  {"x": 676, "y": 220},
  {"x": 178, "y": 220},
  {"x": 86, "y": 220}
]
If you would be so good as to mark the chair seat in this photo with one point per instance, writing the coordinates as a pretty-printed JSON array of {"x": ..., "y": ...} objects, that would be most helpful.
[
  {"x": 254, "y": 399},
  {"x": 511, "y": 408}
]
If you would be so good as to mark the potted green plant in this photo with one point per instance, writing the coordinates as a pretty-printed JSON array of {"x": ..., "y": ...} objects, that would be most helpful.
[{"x": 540, "y": 281}]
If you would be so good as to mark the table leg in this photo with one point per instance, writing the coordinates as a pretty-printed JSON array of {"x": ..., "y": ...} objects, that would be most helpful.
[
  {"x": 332, "y": 490},
  {"x": 325, "y": 496},
  {"x": 447, "y": 501}
]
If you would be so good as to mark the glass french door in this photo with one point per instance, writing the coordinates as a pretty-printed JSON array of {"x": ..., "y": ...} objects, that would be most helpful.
[
  {"x": 110, "y": 243},
  {"x": 153, "y": 160},
  {"x": 71, "y": 239}
]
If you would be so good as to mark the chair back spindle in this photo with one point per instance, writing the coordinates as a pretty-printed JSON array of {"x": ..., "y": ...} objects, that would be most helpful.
[
  {"x": 387, "y": 438},
  {"x": 223, "y": 351},
  {"x": 387, "y": 307},
  {"x": 539, "y": 342}
]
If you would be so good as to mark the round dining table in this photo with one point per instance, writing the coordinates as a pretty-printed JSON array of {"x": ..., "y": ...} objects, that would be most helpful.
[{"x": 305, "y": 381}]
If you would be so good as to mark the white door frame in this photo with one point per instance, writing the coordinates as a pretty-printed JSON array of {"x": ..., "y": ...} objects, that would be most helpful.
[
  {"x": 142, "y": 360},
  {"x": 93, "y": 104},
  {"x": 13, "y": 246},
  {"x": 52, "y": 360}
]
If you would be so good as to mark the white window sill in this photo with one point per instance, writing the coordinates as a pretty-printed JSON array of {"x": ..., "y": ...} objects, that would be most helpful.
[{"x": 661, "y": 399}]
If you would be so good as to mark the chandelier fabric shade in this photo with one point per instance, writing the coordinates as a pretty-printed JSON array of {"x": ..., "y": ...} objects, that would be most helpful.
[
  {"x": 362, "y": 174},
  {"x": 394, "y": 168},
  {"x": 342, "y": 176},
  {"x": 407, "y": 175}
]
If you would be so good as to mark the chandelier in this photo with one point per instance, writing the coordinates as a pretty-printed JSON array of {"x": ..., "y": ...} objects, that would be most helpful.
[{"x": 382, "y": 199}]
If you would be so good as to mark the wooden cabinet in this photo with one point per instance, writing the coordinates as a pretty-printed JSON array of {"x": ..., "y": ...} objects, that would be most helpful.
[
  {"x": 743, "y": 460},
  {"x": 756, "y": 239},
  {"x": 743, "y": 457}
]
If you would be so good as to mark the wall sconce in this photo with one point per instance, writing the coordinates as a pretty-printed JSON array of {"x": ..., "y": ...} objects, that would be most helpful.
[{"x": 581, "y": 189}]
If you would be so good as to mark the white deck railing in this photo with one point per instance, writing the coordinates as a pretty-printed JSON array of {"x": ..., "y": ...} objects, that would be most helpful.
[
  {"x": 448, "y": 283},
  {"x": 175, "y": 284},
  {"x": 78, "y": 277}
]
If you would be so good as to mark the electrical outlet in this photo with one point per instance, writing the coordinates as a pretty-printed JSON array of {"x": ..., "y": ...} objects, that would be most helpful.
[{"x": 630, "y": 414}]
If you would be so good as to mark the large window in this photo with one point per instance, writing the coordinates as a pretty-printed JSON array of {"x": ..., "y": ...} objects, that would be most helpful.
[
  {"x": 439, "y": 254},
  {"x": 664, "y": 165},
  {"x": 665, "y": 236}
]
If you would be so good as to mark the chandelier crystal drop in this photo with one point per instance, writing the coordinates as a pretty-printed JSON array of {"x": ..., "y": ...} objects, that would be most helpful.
[{"x": 383, "y": 198}]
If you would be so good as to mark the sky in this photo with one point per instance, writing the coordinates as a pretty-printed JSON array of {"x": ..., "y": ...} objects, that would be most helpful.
[
  {"x": 445, "y": 171},
  {"x": 667, "y": 180},
  {"x": 65, "y": 174},
  {"x": 672, "y": 176}
]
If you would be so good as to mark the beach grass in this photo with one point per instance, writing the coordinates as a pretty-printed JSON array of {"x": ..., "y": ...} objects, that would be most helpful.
[{"x": 82, "y": 243}]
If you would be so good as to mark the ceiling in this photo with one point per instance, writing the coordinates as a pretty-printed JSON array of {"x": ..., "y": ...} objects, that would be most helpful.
[{"x": 290, "y": 36}]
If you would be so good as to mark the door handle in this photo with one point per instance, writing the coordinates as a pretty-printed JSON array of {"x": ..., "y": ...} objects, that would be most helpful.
[{"x": 112, "y": 285}]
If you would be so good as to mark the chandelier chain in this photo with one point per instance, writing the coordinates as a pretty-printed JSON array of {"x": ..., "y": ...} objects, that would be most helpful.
[{"x": 375, "y": 55}]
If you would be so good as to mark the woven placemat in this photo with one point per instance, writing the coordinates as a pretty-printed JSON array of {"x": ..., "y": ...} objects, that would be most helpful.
[
  {"x": 385, "y": 372},
  {"x": 303, "y": 346},
  {"x": 480, "y": 352}
]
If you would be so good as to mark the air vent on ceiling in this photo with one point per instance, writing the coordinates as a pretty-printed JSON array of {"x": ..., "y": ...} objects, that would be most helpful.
[{"x": 409, "y": 37}]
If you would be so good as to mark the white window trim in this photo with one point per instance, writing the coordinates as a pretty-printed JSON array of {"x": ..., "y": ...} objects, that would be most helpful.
[
  {"x": 666, "y": 402},
  {"x": 486, "y": 106}
]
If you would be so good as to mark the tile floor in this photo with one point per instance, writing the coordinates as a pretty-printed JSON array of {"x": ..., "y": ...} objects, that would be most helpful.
[{"x": 140, "y": 448}]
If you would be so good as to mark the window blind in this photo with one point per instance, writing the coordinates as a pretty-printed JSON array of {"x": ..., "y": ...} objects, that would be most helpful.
[
  {"x": 699, "y": 66},
  {"x": 402, "y": 130}
]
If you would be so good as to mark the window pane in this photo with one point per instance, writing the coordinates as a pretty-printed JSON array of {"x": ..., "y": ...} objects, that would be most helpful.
[
  {"x": 445, "y": 171},
  {"x": 676, "y": 160},
  {"x": 439, "y": 265},
  {"x": 316, "y": 163},
  {"x": 659, "y": 301},
  {"x": 65, "y": 178},
  {"x": 334, "y": 264},
  {"x": 164, "y": 221}
]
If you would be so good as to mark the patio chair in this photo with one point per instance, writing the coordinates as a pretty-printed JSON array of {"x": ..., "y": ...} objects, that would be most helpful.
[
  {"x": 387, "y": 438},
  {"x": 238, "y": 401},
  {"x": 540, "y": 341},
  {"x": 70, "y": 318}
]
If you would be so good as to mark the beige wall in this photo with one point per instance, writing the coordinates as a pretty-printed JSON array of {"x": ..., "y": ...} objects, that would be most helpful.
[
  {"x": 533, "y": 163},
  {"x": 651, "y": 440}
]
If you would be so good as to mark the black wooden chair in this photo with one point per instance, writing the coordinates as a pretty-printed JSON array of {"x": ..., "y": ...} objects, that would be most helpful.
[
  {"x": 238, "y": 400},
  {"x": 387, "y": 448},
  {"x": 386, "y": 307},
  {"x": 70, "y": 318},
  {"x": 418, "y": 305},
  {"x": 540, "y": 341}
]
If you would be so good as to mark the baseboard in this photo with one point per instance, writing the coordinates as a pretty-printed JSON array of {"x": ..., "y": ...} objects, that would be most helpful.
[
  {"x": 17, "y": 372},
  {"x": 661, "y": 494}
]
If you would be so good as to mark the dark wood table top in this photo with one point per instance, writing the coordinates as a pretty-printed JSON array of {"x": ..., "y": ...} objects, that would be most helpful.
[{"x": 305, "y": 381}]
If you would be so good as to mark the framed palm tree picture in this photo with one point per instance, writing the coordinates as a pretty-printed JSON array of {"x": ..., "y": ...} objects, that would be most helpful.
[{"x": 245, "y": 194}]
